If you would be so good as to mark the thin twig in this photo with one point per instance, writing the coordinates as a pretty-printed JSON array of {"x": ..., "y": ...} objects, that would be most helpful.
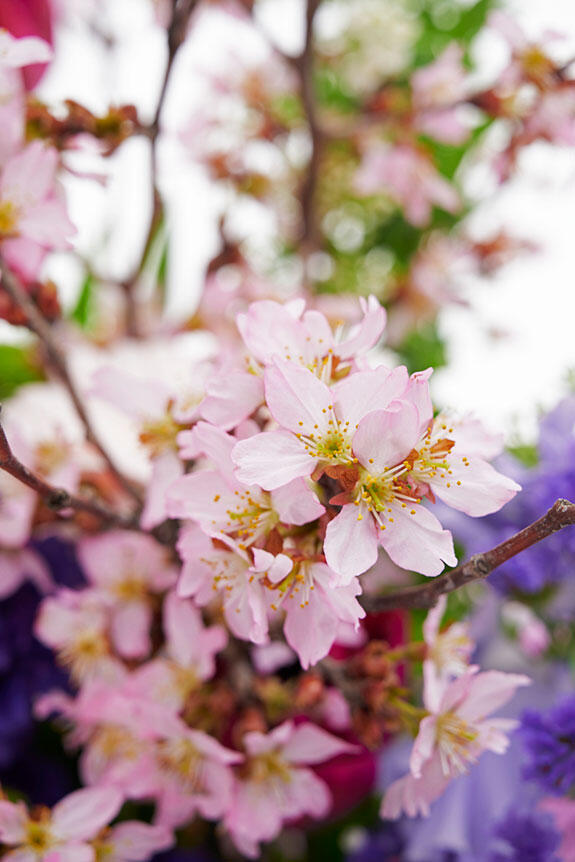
[
  {"x": 304, "y": 65},
  {"x": 561, "y": 514},
  {"x": 175, "y": 34},
  {"x": 37, "y": 324},
  {"x": 58, "y": 498}
]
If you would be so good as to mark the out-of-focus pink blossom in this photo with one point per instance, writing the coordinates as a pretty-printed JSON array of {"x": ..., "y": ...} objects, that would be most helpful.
[
  {"x": 133, "y": 841},
  {"x": 409, "y": 177},
  {"x": 437, "y": 90},
  {"x": 190, "y": 650},
  {"x": 66, "y": 834},
  {"x": 457, "y": 730},
  {"x": 76, "y": 626},
  {"x": 33, "y": 216},
  {"x": 127, "y": 569},
  {"x": 448, "y": 652},
  {"x": 534, "y": 638},
  {"x": 277, "y": 785}
]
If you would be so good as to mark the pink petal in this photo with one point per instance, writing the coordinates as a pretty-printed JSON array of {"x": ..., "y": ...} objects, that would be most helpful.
[
  {"x": 82, "y": 814},
  {"x": 131, "y": 629},
  {"x": 477, "y": 489},
  {"x": 271, "y": 459},
  {"x": 350, "y": 545},
  {"x": 231, "y": 398},
  {"x": 424, "y": 745},
  {"x": 136, "y": 842},
  {"x": 365, "y": 391},
  {"x": 384, "y": 438},
  {"x": 296, "y": 503},
  {"x": 310, "y": 744},
  {"x": 297, "y": 399},
  {"x": 367, "y": 333},
  {"x": 13, "y": 820},
  {"x": 166, "y": 469},
  {"x": 138, "y": 396},
  {"x": 417, "y": 542},
  {"x": 413, "y": 796},
  {"x": 488, "y": 691}
]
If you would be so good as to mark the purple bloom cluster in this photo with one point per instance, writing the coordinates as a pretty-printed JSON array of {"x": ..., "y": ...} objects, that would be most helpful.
[
  {"x": 550, "y": 742},
  {"x": 550, "y": 562},
  {"x": 27, "y": 668},
  {"x": 525, "y": 838}
]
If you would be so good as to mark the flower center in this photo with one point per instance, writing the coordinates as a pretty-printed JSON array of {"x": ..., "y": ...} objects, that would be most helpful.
[
  {"x": 250, "y": 518},
  {"x": 268, "y": 767},
  {"x": 455, "y": 738},
  {"x": 181, "y": 758},
  {"x": 332, "y": 444},
  {"x": 8, "y": 219},
  {"x": 38, "y": 837}
]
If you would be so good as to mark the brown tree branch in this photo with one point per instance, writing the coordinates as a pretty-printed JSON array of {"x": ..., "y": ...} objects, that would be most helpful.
[
  {"x": 304, "y": 66},
  {"x": 175, "y": 34},
  {"x": 58, "y": 498},
  {"x": 37, "y": 324},
  {"x": 561, "y": 514}
]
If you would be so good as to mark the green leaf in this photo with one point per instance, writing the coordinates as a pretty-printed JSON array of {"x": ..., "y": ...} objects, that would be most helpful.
[
  {"x": 83, "y": 308},
  {"x": 422, "y": 348},
  {"x": 17, "y": 368}
]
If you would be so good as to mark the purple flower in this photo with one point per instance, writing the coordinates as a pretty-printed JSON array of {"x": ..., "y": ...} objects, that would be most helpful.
[
  {"x": 525, "y": 838},
  {"x": 550, "y": 742},
  {"x": 27, "y": 668},
  {"x": 549, "y": 563}
]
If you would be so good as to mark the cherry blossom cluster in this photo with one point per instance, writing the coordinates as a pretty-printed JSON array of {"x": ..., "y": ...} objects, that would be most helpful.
[{"x": 223, "y": 505}]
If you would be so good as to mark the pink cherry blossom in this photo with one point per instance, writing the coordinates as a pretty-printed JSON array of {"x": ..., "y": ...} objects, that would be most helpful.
[
  {"x": 274, "y": 331},
  {"x": 33, "y": 215},
  {"x": 277, "y": 785},
  {"x": 534, "y": 638},
  {"x": 193, "y": 775},
  {"x": 190, "y": 650},
  {"x": 75, "y": 624},
  {"x": 133, "y": 841},
  {"x": 316, "y": 609},
  {"x": 127, "y": 569},
  {"x": 383, "y": 509},
  {"x": 457, "y": 730},
  {"x": 65, "y": 834},
  {"x": 410, "y": 178},
  {"x": 221, "y": 504},
  {"x": 448, "y": 652},
  {"x": 317, "y": 423},
  {"x": 437, "y": 88}
]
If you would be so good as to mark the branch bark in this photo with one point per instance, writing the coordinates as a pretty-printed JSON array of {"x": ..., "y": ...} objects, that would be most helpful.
[
  {"x": 175, "y": 34},
  {"x": 304, "y": 65},
  {"x": 38, "y": 325},
  {"x": 58, "y": 498},
  {"x": 478, "y": 567}
]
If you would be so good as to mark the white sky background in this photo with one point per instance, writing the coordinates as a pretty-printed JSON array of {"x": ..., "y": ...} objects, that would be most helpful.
[{"x": 530, "y": 303}]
